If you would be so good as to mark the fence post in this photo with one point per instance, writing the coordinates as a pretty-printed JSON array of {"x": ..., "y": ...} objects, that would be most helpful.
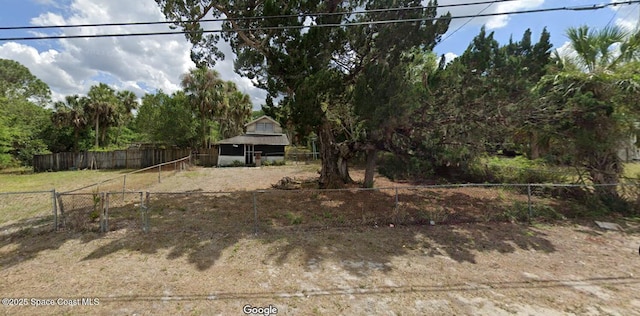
[
  {"x": 55, "y": 210},
  {"x": 106, "y": 213},
  {"x": 146, "y": 214},
  {"x": 159, "y": 172},
  {"x": 61, "y": 207},
  {"x": 529, "y": 201},
  {"x": 124, "y": 186},
  {"x": 142, "y": 207},
  {"x": 396, "y": 205},
  {"x": 255, "y": 213},
  {"x": 101, "y": 212}
]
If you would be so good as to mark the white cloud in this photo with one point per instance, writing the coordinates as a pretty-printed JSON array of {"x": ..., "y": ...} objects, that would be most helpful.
[
  {"x": 627, "y": 16},
  {"x": 567, "y": 51},
  {"x": 134, "y": 63},
  {"x": 493, "y": 22},
  {"x": 44, "y": 65},
  {"x": 448, "y": 57}
]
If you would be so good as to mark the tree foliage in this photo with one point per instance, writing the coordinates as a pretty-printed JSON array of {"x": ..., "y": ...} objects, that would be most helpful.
[
  {"x": 23, "y": 118},
  {"x": 310, "y": 70},
  {"x": 17, "y": 82},
  {"x": 167, "y": 119},
  {"x": 474, "y": 104}
]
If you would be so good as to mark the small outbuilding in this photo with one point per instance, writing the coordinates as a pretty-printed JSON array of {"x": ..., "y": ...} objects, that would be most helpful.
[{"x": 263, "y": 140}]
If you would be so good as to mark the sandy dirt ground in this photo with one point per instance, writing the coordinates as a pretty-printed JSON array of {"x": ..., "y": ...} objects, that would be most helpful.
[{"x": 193, "y": 263}]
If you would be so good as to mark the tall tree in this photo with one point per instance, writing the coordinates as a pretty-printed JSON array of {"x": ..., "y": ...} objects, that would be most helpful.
[
  {"x": 310, "y": 69},
  {"x": 102, "y": 108},
  {"x": 591, "y": 109},
  {"x": 205, "y": 90},
  {"x": 168, "y": 119},
  {"x": 127, "y": 102},
  {"x": 16, "y": 81},
  {"x": 237, "y": 111},
  {"x": 71, "y": 113},
  {"x": 24, "y": 118}
]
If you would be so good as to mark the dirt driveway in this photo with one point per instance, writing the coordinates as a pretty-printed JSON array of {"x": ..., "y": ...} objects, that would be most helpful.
[{"x": 565, "y": 268}]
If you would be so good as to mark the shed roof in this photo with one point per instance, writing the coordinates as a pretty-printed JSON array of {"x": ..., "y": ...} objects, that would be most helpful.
[{"x": 257, "y": 139}]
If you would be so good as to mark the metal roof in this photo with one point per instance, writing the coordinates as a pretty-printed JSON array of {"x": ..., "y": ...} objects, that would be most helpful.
[{"x": 257, "y": 139}]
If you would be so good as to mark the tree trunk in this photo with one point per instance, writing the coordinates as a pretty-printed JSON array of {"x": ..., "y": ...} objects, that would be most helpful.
[
  {"x": 75, "y": 140},
  {"x": 204, "y": 133},
  {"x": 97, "y": 131},
  {"x": 606, "y": 169},
  {"x": 334, "y": 172},
  {"x": 534, "y": 146},
  {"x": 370, "y": 168},
  {"x": 103, "y": 135}
]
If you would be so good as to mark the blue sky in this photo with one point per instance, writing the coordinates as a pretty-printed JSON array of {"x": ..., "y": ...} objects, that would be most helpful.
[{"x": 151, "y": 63}]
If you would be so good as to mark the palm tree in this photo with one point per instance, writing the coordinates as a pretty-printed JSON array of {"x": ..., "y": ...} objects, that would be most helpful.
[
  {"x": 590, "y": 100},
  {"x": 205, "y": 91},
  {"x": 127, "y": 102},
  {"x": 237, "y": 114},
  {"x": 71, "y": 113},
  {"x": 101, "y": 105},
  {"x": 595, "y": 49}
]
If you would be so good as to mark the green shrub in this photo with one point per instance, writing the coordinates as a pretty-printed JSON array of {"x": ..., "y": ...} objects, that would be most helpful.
[
  {"x": 401, "y": 168},
  {"x": 237, "y": 163},
  {"x": 514, "y": 170}
]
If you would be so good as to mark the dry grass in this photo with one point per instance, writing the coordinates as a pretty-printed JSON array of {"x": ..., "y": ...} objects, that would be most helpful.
[{"x": 318, "y": 253}]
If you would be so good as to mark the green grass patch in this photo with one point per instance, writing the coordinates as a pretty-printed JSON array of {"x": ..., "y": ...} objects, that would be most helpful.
[{"x": 61, "y": 181}]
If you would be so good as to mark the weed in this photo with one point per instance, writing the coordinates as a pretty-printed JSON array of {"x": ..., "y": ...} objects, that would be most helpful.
[{"x": 294, "y": 219}]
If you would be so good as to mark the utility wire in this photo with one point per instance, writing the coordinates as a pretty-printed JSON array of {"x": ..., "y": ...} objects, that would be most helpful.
[
  {"x": 265, "y": 28},
  {"x": 465, "y": 23},
  {"x": 36, "y": 27}
]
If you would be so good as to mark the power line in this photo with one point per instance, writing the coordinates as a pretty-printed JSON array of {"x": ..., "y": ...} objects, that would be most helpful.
[
  {"x": 37, "y": 27},
  {"x": 465, "y": 23},
  {"x": 266, "y": 28}
]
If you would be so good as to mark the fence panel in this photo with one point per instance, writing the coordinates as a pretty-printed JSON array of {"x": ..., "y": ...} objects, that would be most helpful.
[
  {"x": 104, "y": 209},
  {"x": 131, "y": 158},
  {"x": 27, "y": 209},
  {"x": 81, "y": 211}
]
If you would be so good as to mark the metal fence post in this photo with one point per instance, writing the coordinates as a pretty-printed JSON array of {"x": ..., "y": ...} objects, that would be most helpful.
[
  {"x": 102, "y": 212},
  {"x": 106, "y": 213},
  {"x": 124, "y": 186},
  {"x": 61, "y": 207},
  {"x": 55, "y": 209},
  {"x": 255, "y": 213},
  {"x": 142, "y": 207},
  {"x": 159, "y": 172},
  {"x": 396, "y": 205},
  {"x": 529, "y": 201},
  {"x": 146, "y": 214}
]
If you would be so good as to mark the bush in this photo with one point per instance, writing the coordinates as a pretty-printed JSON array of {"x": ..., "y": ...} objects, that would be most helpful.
[
  {"x": 401, "y": 168},
  {"x": 514, "y": 170}
]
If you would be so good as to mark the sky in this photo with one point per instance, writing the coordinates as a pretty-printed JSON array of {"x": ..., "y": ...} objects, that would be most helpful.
[{"x": 147, "y": 64}]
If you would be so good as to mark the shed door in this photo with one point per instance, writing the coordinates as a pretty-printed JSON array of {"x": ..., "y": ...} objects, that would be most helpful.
[{"x": 248, "y": 154}]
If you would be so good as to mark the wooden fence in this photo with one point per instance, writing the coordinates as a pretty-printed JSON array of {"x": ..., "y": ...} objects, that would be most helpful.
[{"x": 118, "y": 159}]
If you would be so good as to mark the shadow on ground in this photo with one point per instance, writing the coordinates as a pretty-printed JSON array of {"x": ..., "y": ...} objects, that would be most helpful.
[{"x": 349, "y": 226}]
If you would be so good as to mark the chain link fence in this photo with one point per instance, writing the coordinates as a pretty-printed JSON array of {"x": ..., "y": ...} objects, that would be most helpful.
[
  {"x": 139, "y": 179},
  {"x": 275, "y": 209},
  {"x": 27, "y": 209},
  {"x": 279, "y": 209}
]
